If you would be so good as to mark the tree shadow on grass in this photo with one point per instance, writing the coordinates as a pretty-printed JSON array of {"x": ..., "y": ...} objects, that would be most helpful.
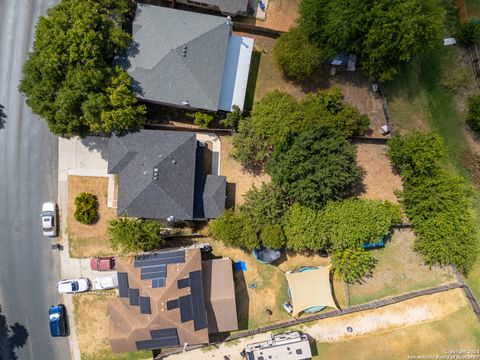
[{"x": 11, "y": 337}]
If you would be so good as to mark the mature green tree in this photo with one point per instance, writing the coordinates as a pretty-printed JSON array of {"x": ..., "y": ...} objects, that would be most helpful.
[
  {"x": 232, "y": 118},
  {"x": 296, "y": 56},
  {"x": 278, "y": 114},
  {"x": 69, "y": 80},
  {"x": 438, "y": 202},
  {"x": 316, "y": 166},
  {"x": 272, "y": 236},
  {"x": 473, "y": 116},
  {"x": 303, "y": 229},
  {"x": 266, "y": 205},
  {"x": 417, "y": 154},
  {"x": 133, "y": 235},
  {"x": 235, "y": 229},
  {"x": 384, "y": 33}
]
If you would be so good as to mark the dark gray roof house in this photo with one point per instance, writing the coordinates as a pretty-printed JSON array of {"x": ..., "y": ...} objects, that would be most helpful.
[
  {"x": 186, "y": 59},
  {"x": 160, "y": 175},
  {"x": 227, "y": 7}
]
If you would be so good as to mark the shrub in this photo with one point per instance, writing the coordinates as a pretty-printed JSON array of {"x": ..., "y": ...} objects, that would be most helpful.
[
  {"x": 232, "y": 118},
  {"x": 133, "y": 235},
  {"x": 316, "y": 166},
  {"x": 468, "y": 34},
  {"x": 201, "y": 119},
  {"x": 86, "y": 208},
  {"x": 296, "y": 56},
  {"x": 234, "y": 229},
  {"x": 473, "y": 116},
  {"x": 352, "y": 264},
  {"x": 272, "y": 236}
]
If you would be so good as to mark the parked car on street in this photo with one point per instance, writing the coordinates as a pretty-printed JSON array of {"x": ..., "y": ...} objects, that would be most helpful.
[
  {"x": 102, "y": 263},
  {"x": 105, "y": 282},
  {"x": 74, "y": 286},
  {"x": 49, "y": 219},
  {"x": 57, "y": 317}
]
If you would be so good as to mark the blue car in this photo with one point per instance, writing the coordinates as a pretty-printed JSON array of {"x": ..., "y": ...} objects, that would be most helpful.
[{"x": 57, "y": 317}]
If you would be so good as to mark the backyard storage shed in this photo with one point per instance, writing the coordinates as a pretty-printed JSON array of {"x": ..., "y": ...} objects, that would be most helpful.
[
  {"x": 310, "y": 289},
  {"x": 186, "y": 59}
]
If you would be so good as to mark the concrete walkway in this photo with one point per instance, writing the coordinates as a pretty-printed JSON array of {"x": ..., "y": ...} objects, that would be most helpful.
[
  {"x": 76, "y": 157},
  {"x": 216, "y": 148}
]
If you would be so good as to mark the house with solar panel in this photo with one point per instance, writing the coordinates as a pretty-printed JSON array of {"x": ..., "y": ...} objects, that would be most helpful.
[
  {"x": 187, "y": 60},
  {"x": 171, "y": 299},
  {"x": 161, "y": 175}
]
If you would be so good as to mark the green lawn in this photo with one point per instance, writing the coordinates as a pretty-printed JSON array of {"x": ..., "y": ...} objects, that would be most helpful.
[
  {"x": 399, "y": 270},
  {"x": 458, "y": 331},
  {"x": 417, "y": 100}
]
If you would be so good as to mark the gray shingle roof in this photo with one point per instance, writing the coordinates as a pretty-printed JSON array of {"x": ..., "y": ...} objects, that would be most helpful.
[
  {"x": 135, "y": 157},
  {"x": 177, "y": 56}
]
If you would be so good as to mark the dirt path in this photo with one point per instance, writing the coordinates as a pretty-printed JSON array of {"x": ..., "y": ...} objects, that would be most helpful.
[{"x": 410, "y": 312}]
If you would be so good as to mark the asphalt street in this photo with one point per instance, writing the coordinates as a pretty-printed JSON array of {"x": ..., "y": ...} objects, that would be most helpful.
[{"x": 29, "y": 268}]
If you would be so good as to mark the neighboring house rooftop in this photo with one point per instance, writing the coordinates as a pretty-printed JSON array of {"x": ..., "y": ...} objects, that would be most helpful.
[
  {"x": 160, "y": 175},
  {"x": 162, "y": 300},
  {"x": 227, "y": 7},
  {"x": 187, "y": 59}
]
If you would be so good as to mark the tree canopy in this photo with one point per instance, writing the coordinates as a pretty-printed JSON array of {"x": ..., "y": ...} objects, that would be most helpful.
[
  {"x": 438, "y": 202},
  {"x": 384, "y": 33},
  {"x": 278, "y": 114},
  {"x": 133, "y": 235},
  {"x": 296, "y": 56},
  {"x": 69, "y": 78},
  {"x": 316, "y": 166}
]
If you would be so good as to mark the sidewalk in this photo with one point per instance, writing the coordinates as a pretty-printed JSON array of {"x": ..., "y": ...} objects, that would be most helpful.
[{"x": 76, "y": 158}]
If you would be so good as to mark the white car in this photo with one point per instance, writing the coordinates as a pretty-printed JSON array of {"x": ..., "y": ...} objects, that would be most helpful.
[
  {"x": 49, "y": 219},
  {"x": 74, "y": 286},
  {"x": 105, "y": 282}
]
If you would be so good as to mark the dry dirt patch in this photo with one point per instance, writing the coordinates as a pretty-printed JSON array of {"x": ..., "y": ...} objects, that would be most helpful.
[
  {"x": 239, "y": 180},
  {"x": 379, "y": 181},
  {"x": 89, "y": 240}
]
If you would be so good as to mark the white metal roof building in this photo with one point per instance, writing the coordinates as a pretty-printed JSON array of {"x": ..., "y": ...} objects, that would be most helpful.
[{"x": 288, "y": 346}]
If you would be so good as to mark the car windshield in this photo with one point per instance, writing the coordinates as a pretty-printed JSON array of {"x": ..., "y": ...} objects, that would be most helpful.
[
  {"x": 47, "y": 213},
  {"x": 48, "y": 229},
  {"x": 74, "y": 286}
]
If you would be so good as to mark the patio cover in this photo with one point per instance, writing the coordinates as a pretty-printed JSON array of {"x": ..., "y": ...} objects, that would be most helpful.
[{"x": 309, "y": 289}]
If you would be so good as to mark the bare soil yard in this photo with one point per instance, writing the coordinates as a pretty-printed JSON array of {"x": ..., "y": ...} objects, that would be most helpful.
[
  {"x": 379, "y": 181},
  {"x": 239, "y": 181},
  {"x": 399, "y": 270},
  {"x": 89, "y": 240},
  {"x": 91, "y": 323}
]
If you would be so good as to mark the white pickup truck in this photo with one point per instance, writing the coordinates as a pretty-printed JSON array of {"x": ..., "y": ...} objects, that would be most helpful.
[{"x": 105, "y": 282}]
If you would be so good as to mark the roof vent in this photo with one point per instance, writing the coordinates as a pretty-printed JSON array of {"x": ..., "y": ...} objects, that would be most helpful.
[
  {"x": 185, "y": 103},
  {"x": 174, "y": 161},
  {"x": 155, "y": 173},
  {"x": 229, "y": 21}
]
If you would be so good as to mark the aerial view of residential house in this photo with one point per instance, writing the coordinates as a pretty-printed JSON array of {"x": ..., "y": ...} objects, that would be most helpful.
[
  {"x": 226, "y": 7},
  {"x": 187, "y": 60},
  {"x": 161, "y": 176},
  {"x": 170, "y": 299}
]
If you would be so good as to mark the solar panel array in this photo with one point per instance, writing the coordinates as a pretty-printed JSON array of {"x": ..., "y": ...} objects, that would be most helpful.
[
  {"x": 133, "y": 297},
  {"x": 154, "y": 266},
  {"x": 122, "y": 284},
  {"x": 192, "y": 306},
  {"x": 160, "y": 338},
  {"x": 145, "y": 305}
]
